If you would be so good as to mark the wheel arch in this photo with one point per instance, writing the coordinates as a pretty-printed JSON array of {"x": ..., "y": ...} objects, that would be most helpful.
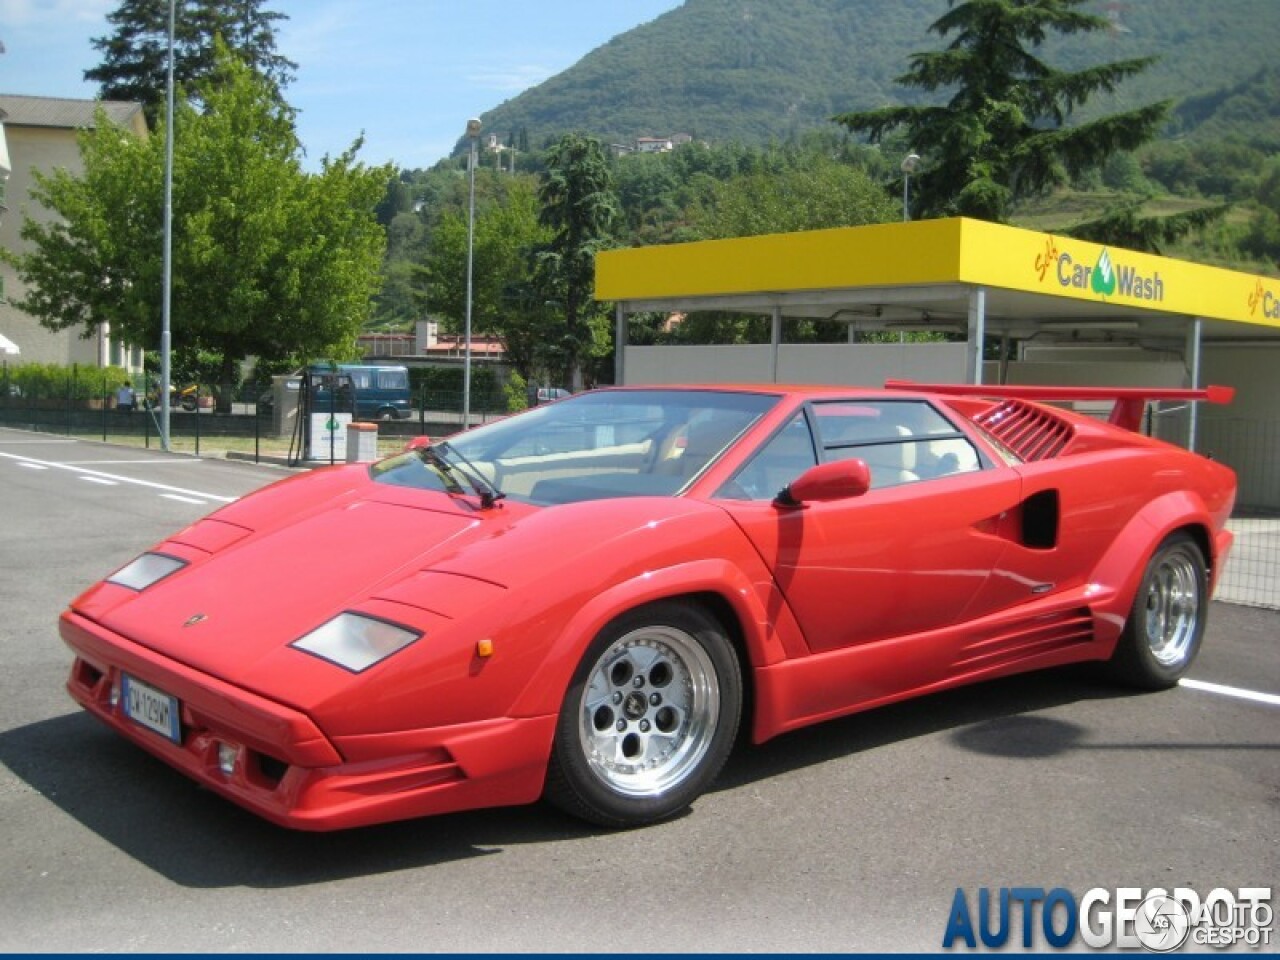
[
  {"x": 724, "y": 613},
  {"x": 1121, "y": 568},
  {"x": 717, "y": 586}
]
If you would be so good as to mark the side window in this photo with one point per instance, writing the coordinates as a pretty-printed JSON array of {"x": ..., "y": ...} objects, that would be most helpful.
[
  {"x": 902, "y": 441},
  {"x": 788, "y": 454}
]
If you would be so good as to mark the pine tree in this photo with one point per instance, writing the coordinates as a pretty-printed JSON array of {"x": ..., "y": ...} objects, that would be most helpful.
[
  {"x": 1003, "y": 134},
  {"x": 579, "y": 206},
  {"x": 134, "y": 55}
]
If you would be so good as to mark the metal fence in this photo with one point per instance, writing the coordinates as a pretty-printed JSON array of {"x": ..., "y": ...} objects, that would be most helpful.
[
  {"x": 206, "y": 421},
  {"x": 1252, "y": 449}
]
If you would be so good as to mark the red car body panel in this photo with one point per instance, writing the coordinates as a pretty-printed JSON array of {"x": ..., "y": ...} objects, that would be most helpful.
[{"x": 834, "y": 606}]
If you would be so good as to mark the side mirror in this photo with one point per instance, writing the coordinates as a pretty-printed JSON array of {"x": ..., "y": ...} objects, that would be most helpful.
[
  {"x": 827, "y": 481},
  {"x": 417, "y": 443}
]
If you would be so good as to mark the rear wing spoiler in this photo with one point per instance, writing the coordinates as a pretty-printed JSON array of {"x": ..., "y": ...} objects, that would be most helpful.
[{"x": 1130, "y": 402}]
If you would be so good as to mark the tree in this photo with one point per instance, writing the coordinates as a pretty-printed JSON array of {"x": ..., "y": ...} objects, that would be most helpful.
[
  {"x": 817, "y": 192},
  {"x": 1003, "y": 134},
  {"x": 1262, "y": 238},
  {"x": 268, "y": 260},
  {"x": 1123, "y": 225},
  {"x": 579, "y": 207},
  {"x": 135, "y": 55},
  {"x": 507, "y": 230}
]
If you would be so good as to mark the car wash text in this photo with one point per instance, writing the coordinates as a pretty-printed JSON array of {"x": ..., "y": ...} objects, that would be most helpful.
[{"x": 1107, "y": 279}]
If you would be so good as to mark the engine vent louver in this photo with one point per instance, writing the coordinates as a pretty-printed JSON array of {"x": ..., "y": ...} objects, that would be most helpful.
[{"x": 1030, "y": 432}]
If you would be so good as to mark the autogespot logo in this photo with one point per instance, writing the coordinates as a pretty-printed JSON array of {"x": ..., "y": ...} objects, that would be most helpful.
[
  {"x": 1156, "y": 920},
  {"x": 1162, "y": 923}
]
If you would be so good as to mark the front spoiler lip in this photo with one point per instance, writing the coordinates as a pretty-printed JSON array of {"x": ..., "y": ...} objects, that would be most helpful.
[{"x": 488, "y": 763}]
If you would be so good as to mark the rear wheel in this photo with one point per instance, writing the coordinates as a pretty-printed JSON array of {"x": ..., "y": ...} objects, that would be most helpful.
[
  {"x": 649, "y": 718},
  {"x": 1166, "y": 624}
]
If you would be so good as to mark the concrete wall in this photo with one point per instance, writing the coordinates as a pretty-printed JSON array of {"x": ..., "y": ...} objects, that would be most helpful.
[
  {"x": 858, "y": 364},
  {"x": 1246, "y": 433}
]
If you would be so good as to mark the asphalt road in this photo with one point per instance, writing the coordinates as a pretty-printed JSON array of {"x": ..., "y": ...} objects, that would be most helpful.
[{"x": 850, "y": 836}]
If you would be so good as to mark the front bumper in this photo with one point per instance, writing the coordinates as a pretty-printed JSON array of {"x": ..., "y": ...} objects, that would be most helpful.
[{"x": 286, "y": 769}]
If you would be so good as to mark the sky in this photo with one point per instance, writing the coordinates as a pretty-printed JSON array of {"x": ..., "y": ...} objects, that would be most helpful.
[{"x": 406, "y": 73}]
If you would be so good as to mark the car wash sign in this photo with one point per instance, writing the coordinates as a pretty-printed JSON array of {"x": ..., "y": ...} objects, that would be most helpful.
[
  {"x": 1108, "y": 276},
  {"x": 1263, "y": 301}
]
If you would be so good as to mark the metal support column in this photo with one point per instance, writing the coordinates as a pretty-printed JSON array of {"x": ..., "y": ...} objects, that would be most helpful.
[
  {"x": 619, "y": 345},
  {"x": 775, "y": 341},
  {"x": 977, "y": 334},
  {"x": 1192, "y": 356}
]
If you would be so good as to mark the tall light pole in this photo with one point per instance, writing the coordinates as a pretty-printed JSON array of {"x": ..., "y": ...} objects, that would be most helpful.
[
  {"x": 166, "y": 335},
  {"x": 910, "y": 163},
  {"x": 473, "y": 135}
]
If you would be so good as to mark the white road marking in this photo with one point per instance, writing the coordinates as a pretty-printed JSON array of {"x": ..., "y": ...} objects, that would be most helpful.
[
  {"x": 181, "y": 499},
  {"x": 116, "y": 477},
  {"x": 33, "y": 466},
  {"x": 102, "y": 480},
  {"x": 1237, "y": 692},
  {"x": 107, "y": 463}
]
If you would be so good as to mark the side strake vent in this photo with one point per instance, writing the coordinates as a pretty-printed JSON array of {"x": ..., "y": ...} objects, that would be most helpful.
[{"x": 1031, "y": 433}]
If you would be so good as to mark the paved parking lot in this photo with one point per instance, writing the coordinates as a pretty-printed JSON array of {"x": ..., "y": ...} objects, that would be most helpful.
[{"x": 854, "y": 835}]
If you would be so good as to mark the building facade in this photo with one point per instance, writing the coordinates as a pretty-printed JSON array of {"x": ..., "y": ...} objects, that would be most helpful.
[{"x": 38, "y": 134}]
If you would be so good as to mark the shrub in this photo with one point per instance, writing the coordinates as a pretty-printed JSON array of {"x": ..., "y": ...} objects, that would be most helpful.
[{"x": 51, "y": 381}]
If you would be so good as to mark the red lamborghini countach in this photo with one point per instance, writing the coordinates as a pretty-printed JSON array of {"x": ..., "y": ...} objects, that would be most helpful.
[{"x": 584, "y": 602}]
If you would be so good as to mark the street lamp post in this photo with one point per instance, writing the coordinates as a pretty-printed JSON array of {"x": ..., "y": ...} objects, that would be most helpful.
[
  {"x": 473, "y": 135},
  {"x": 166, "y": 335},
  {"x": 910, "y": 163}
]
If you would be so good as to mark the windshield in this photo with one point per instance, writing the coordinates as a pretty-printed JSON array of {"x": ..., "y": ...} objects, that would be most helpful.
[{"x": 624, "y": 443}]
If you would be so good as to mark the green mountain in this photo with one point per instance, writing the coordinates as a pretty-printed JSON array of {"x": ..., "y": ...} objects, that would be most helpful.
[
  {"x": 1248, "y": 110},
  {"x": 755, "y": 70}
]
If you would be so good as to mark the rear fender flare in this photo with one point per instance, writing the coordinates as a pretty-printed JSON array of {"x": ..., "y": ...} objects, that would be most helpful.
[
  {"x": 761, "y": 628},
  {"x": 1121, "y": 568}
]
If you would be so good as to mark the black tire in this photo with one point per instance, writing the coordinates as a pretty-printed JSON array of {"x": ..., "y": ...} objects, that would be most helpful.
[
  {"x": 1166, "y": 624},
  {"x": 386, "y": 414},
  {"x": 649, "y": 717}
]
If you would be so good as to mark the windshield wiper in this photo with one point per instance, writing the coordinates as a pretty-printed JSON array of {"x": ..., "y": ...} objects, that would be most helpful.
[{"x": 488, "y": 492}]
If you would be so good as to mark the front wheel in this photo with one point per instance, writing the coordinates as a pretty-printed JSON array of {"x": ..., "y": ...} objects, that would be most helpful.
[
  {"x": 649, "y": 717},
  {"x": 1165, "y": 626}
]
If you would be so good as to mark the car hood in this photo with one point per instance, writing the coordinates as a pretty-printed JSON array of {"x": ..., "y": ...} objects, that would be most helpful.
[
  {"x": 273, "y": 567},
  {"x": 225, "y": 612}
]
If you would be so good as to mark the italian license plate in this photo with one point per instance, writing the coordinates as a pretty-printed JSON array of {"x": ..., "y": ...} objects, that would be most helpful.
[{"x": 152, "y": 709}]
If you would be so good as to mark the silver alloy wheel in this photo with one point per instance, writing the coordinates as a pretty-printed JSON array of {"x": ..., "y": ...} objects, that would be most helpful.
[
  {"x": 649, "y": 711},
  {"x": 1173, "y": 608}
]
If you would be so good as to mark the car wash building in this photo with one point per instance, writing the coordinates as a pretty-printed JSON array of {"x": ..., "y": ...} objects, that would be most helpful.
[{"x": 1019, "y": 306}]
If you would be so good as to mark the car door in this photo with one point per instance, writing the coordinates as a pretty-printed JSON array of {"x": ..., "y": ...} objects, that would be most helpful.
[{"x": 909, "y": 556}]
